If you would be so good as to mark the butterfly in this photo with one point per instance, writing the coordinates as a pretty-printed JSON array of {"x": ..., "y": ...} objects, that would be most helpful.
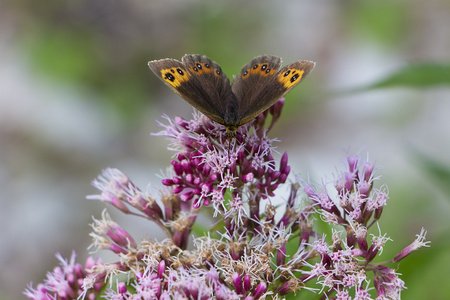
[{"x": 201, "y": 82}]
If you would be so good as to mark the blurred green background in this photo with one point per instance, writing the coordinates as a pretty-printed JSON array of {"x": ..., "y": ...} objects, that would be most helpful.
[{"x": 76, "y": 96}]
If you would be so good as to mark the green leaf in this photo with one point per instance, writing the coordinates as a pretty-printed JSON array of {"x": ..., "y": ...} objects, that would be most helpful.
[
  {"x": 64, "y": 55},
  {"x": 422, "y": 75},
  {"x": 439, "y": 173}
]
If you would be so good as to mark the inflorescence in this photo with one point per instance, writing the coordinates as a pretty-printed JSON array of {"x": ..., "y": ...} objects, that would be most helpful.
[{"x": 259, "y": 247}]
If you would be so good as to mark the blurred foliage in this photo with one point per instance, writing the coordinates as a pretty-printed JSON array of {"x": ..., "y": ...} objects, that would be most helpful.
[
  {"x": 85, "y": 43},
  {"x": 437, "y": 170},
  {"x": 423, "y": 75},
  {"x": 381, "y": 21},
  {"x": 70, "y": 57},
  {"x": 64, "y": 56},
  {"x": 213, "y": 22}
]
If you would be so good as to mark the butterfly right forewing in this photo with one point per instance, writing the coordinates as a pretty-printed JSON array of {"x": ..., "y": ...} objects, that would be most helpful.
[
  {"x": 257, "y": 89},
  {"x": 252, "y": 78}
]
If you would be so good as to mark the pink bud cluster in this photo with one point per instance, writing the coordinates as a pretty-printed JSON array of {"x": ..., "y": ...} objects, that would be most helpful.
[{"x": 67, "y": 281}]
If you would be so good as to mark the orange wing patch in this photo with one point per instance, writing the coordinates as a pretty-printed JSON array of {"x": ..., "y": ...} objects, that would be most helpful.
[
  {"x": 218, "y": 73},
  {"x": 258, "y": 69},
  {"x": 290, "y": 77},
  {"x": 201, "y": 68},
  {"x": 174, "y": 76},
  {"x": 245, "y": 74}
]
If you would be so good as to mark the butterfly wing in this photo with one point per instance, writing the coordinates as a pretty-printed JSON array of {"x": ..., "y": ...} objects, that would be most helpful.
[
  {"x": 199, "y": 81},
  {"x": 260, "y": 84}
]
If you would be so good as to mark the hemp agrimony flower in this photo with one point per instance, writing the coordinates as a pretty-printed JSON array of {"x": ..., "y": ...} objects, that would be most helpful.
[{"x": 256, "y": 249}]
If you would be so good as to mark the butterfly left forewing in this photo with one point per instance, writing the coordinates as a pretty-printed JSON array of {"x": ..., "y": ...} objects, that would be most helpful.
[
  {"x": 212, "y": 80},
  {"x": 256, "y": 92},
  {"x": 173, "y": 73},
  {"x": 202, "y": 88}
]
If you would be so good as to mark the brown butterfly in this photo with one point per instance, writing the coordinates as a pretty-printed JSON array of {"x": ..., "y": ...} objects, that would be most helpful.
[{"x": 201, "y": 82}]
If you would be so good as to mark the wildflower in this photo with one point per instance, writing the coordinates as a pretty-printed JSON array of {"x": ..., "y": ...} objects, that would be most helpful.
[
  {"x": 414, "y": 246},
  {"x": 251, "y": 251},
  {"x": 357, "y": 207}
]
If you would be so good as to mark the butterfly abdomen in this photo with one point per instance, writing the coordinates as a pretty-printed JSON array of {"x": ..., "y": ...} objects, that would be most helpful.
[{"x": 231, "y": 116}]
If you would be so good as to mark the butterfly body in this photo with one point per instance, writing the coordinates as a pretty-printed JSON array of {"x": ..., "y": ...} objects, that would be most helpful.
[{"x": 201, "y": 82}]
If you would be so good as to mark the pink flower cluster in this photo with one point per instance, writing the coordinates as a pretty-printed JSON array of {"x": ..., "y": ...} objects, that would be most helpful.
[{"x": 257, "y": 249}]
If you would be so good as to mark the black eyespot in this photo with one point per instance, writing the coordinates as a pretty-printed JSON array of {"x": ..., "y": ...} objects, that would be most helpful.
[
  {"x": 295, "y": 77},
  {"x": 180, "y": 72},
  {"x": 195, "y": 69},
  {"x": 169, "y": 77},
  {"x": 199, "y": 66},
  {"x": 172, "y": 70},
  {"x": 207, "y": 66},
  {"x": 255, "y": 66},
  {"x": 287, "y": 73},
  {"x": 245, "y": 73},
  {"x": 263, "y": 67},
  {"x": 268, "y": 71}
]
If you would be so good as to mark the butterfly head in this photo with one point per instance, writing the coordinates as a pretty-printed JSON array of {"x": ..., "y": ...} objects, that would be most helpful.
[{"x": 231, "y": 131}]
